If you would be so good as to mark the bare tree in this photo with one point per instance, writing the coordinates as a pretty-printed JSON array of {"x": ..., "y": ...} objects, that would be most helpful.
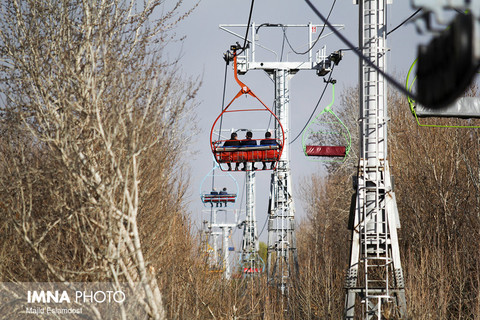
[{"x": 87, "y": 98}]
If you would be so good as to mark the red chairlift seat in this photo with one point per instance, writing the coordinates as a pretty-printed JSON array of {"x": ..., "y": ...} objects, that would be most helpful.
[
  {"x": 326, "y": 151},
  {"x": 255, "y": 153}
]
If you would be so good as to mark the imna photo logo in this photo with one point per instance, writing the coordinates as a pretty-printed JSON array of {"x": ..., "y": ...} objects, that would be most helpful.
[{"x": 57, "y": 296}]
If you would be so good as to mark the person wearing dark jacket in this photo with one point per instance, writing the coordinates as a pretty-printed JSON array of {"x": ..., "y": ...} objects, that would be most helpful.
[
  {"x": 268, "y": 141},
  {"x": 233, "y": 142},
  {"x": 248, "y": 141}
]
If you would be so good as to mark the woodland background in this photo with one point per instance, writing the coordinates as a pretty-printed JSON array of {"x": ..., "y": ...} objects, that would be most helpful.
[{"x": 91, "y": 120}]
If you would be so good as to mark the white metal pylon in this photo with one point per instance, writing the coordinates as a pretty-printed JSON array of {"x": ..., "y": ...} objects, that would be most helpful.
[{"x": 375, "y": 275}]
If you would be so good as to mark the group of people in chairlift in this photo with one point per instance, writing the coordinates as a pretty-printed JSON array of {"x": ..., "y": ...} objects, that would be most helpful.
[{"x": 249, "y": 142}]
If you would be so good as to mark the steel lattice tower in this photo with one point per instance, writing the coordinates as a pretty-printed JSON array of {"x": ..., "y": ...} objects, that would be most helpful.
[{"x": 375, "y": 276}]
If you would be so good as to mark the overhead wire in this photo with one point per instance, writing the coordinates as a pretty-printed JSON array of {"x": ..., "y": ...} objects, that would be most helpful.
[
  {"x": 391, "y": 31},
  {"x": 223, "y": 97},
  {"x": 248, "y": 28},
  {"x": 318, "y": 38},
  {"x": 221, "y": 119},
  {"x": 263, "y": 228},
  {"x": 318, "y": 103},
  {"x": 285, "y": 38},
  {"x": 404, "y": 21}
]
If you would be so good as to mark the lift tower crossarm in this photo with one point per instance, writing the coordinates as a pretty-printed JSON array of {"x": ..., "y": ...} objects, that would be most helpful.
[{"x": 250, "y": 56}]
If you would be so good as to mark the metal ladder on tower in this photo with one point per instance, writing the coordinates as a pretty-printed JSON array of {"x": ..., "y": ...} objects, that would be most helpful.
[
  {"x": 374, "y": 230},
  {"x": 374, "y": 237}
]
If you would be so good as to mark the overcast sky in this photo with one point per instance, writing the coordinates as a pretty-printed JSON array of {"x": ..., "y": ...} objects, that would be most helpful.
[{"x": 202, "y": 57}]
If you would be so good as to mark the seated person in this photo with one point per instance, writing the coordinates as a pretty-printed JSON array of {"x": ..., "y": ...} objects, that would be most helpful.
[
  {"x": 233, "y": 142},
  {"x": 223, "y": 199},
  {"x": 268, "y": 141},
  {"x": 248, "y": 141},
  {"x": 214, "y": 194}
]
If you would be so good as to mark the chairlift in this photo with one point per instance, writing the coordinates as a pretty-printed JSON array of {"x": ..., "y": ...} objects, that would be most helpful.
[
  {"x": 257, "y": 267},
  {"x": 228, "y": 155},
  {"x": 216, "y": 195},
  {"x": 326, "y": 138}
]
